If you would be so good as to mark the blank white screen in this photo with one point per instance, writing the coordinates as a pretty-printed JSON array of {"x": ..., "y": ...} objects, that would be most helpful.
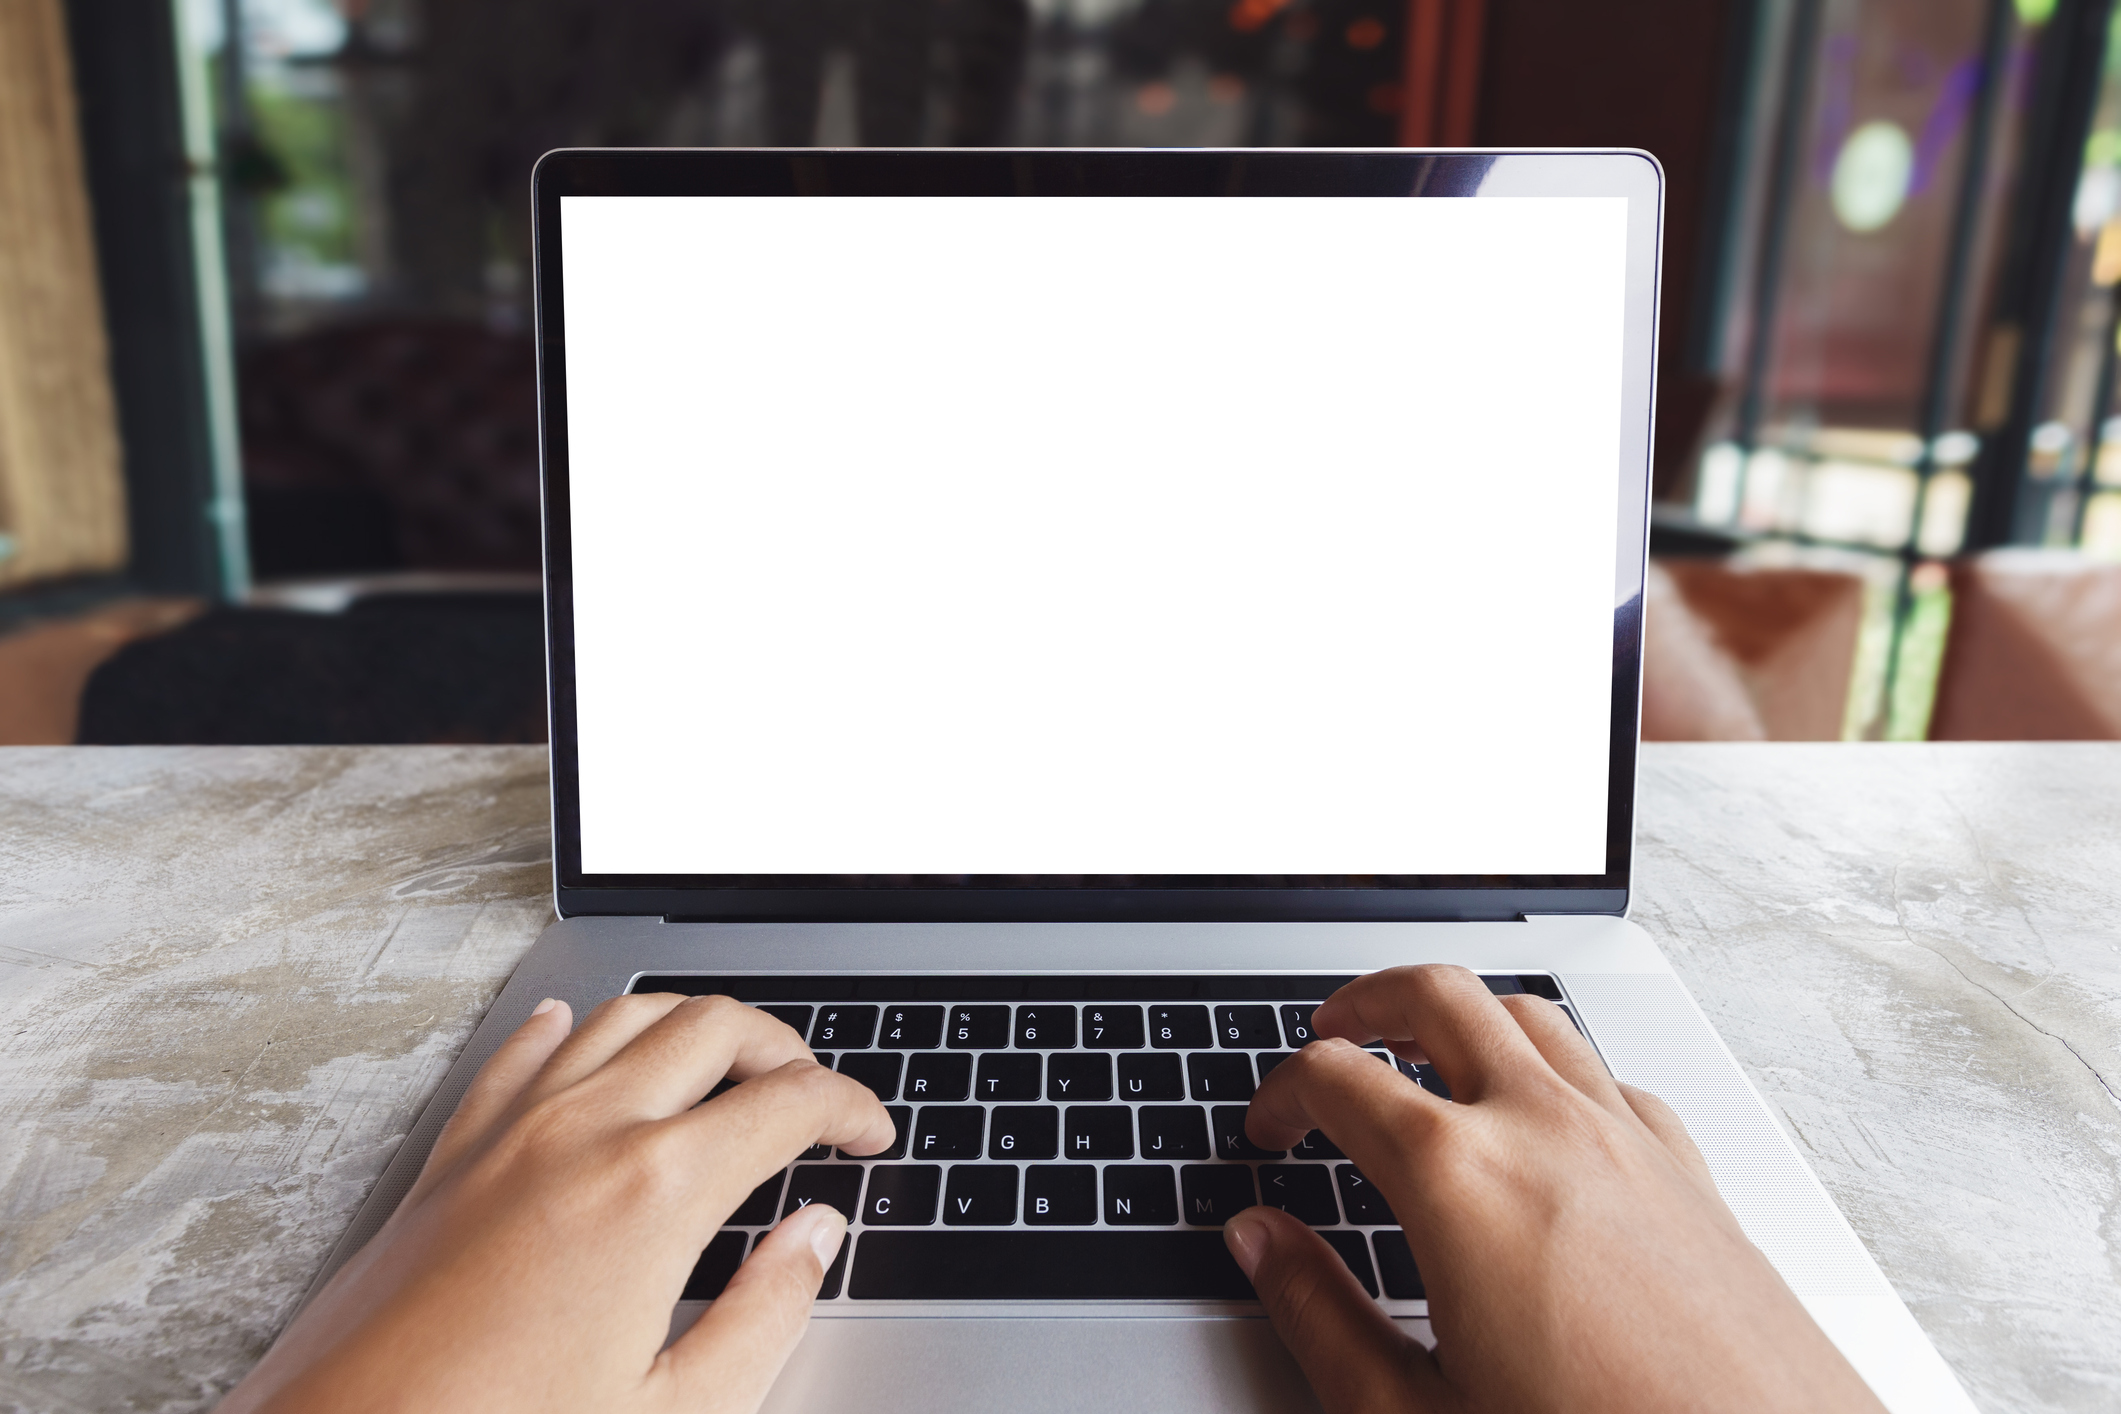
[{"x": 1093, "y": 536}]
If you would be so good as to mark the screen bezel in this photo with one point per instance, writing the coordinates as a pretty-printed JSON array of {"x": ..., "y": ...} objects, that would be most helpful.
[{"x": 1035, "y": 172}]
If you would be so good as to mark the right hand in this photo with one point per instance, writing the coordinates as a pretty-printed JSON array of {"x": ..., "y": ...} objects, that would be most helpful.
[{"x": 1575, "y": 1251}]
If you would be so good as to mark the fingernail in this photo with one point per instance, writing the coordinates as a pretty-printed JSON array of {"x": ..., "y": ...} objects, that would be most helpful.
[
  {"x": 826, "y": 1231},
  {"x": 542, "y": 1007},
  {"x": 1247, "y": 1238}
]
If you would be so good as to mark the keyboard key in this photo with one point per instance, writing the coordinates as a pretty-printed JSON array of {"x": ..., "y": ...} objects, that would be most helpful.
[
  {"x": 1540, "y": 985},
  {"x": 912, "y": 1028},
  {"x": 1174, "y": 1132},
  {"x": 1048, "y": 1266},
  {"x": 940, "y": 1076},
  {"x": 978, "y": 1028},
  {"x": 829, "y": 1288},
  {"x": 758, "y": 1209},
  {"x": 1024, "y": 1132},
  {"x": 1246, "y": 1028},
  {"x": 1179, "y": 1028},
  {"x": 1296, "y": 1025},
  {"x": 1048, "y": 1027},
  {"x": 1267, "y": 1060},
  {"x": 902, "y": 1195},
  {"x": 1303, "y": 1191},
  {"x": 797, "y": 1017},
  {"x": 1060, "y": 1195},
  {"x": 1212, "y": 1194},
  {"x": 1227, "y": 1124},
  {"x": 1222, "y": 1077},
  {"x": 814, "y": 1153},
  {"x": 1113, "y": 1028},
  {"x": 844, "y": 1028},
  {"x": 1007, "y": 1077},
  {"x": 1151, "y": 1077},
  {"x": 837, "y": 1184},
  {"x": 1396, "y": 1264},
  {"x": 717, "y": 1264},
  {"x": 1366, "y": 1207},
  {"x": 1426, "y": 1077},
  {"x": 949, "y": 1132},
  {"x": 902, "y": 1123},
  {"x": 876, "y": 1069},
  {"x": 1099, "y": 1132},
  {"x": 980, "y": 1195},
  {"x": 1315, "y": 1145},
  {"x": 1079, "y": 1077},
  {"x": 1140, "y": 1195},
  {"x": 1356, "y": 1253}
]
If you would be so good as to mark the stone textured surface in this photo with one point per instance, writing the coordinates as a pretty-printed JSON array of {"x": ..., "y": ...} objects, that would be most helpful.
[
  {"x": 1915, "y": 953},
  {"x": 228, "y": 980},
  {"x": 230, "y": 977}
]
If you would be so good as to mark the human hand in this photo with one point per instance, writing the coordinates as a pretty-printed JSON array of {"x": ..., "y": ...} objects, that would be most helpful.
[
  {"x": 1575, "y": 1251},
  {"x": 535, "y": 1263}
]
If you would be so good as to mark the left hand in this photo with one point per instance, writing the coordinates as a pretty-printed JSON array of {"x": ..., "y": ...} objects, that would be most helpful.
[{"x": 535, "y": 1263}]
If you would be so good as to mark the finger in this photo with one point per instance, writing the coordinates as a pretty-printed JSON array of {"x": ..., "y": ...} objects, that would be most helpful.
[
  {"x": 1659, "y": 1119},
  {"x": 731, "y": 1356},
  {"x": 603, "y": 1034},
  {"x": 1371, "y": 1111},
  {"x": 737, "y": 1140},
  {"x": 494, "y": 1091},
  {"x": 1354, "y": 1356},
  {"x": 680, "y": 1056},
  {"x": 1447, "y": 1012},
  {"x": 1572, "y": 1057}
]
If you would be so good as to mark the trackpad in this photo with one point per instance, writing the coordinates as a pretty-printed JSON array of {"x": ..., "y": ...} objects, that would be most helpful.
[{"x": 1031, "y": 1366}]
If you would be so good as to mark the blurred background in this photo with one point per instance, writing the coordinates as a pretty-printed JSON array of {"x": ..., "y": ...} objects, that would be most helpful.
[{"x": 268, "y": 466}]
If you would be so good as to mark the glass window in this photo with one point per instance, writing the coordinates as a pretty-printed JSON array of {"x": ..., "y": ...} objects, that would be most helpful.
[
  {"x": 1851, "y": 458},
  {"x": 1860, "y": 289},
  {"x": 2076, "y": 450}
]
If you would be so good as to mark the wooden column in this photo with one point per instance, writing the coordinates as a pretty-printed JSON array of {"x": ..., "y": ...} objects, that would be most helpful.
[
  {"x": 1442, "y": 85},
  {"x": 62, "y": 490}
]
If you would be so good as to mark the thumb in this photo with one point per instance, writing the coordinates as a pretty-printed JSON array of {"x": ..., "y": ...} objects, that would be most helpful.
[
  {"x": 732, "y": 1355},
  {"x": 1354, "y": 1356}
]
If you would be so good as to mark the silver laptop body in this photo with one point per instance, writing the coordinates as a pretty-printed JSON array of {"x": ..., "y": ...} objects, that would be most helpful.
[{"x": 1086, "y": 582}]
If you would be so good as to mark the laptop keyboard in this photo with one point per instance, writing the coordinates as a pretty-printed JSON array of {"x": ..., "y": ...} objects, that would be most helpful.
[{"x": 1061, "y": 1138}]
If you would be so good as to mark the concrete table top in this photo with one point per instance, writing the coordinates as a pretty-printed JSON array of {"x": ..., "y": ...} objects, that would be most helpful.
[{"x": 230, "y": 977}]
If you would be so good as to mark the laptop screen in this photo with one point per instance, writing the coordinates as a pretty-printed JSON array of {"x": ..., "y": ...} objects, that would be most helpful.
[{"x": 1144, "y": 536}]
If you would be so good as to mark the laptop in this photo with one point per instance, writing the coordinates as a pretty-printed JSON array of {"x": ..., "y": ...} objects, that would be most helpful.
[{"x": 1038, "y": 622}]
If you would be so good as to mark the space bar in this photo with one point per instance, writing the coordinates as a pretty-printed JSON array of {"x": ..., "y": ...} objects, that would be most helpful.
[{"x": 1045, "y": 1266}]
